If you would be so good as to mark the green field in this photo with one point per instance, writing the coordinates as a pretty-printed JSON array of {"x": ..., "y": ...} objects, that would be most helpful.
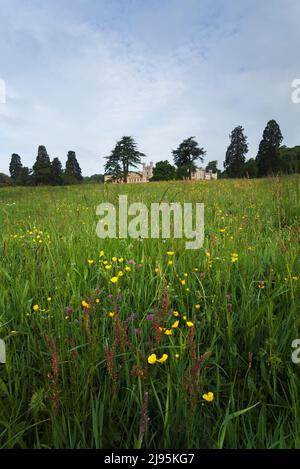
[{"x": 77, "y": 344}]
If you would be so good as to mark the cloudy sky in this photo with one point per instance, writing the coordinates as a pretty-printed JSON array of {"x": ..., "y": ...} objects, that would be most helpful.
[{"x": 80, "y": 74}]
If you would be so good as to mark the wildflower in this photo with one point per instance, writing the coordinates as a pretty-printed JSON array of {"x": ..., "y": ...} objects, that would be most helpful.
[
  {"x": 101, "y": 254},
  {"x": 209, "y": 397},
  {"x": 140, "y": 266},
  {"x": 97, "y": 301},
  {"x": 108, "y": 266},
  {"x": 114, "y": 279},
  {"x": 150, "y": 317},
  {"x": 170, "y": 253},
  {"x": 177, "y": 356},
  {"x": 138, "y": 332},
  {"x": 67, "y": 318},
  {"x": 111, "y": 314},
  {"x": 168, "y": 332},
  {"x": 152, "y": 359},
  {"x": 85, "y": 304},
  {"x": 121, "y": 259},
  {"x": 170, "y": 263},
  {"x": 197, "y": 306},
  {"x": 120, "y": 274},
  {"x": 261, "y": 285},
  {"x": 183, "y": 282},
  {"x": 90, "y": 261},
  {"x": 36, "y": 308},
  {"x": 127, "y": 268},
  {"x": 163, "y": 359},
  {"x": 114, "y": 259},
  {"x": 184, "y": 317},
  {"x": 176, "y": 314},
  {"x": 156, "y": 270},
  {"x": 131, "y": 262},
  {"x": 49, "y": 299},
  {"x": 234, "y": 257},
  {"x": 190, "y": 324},
  {"x": 175, "y": 325}
]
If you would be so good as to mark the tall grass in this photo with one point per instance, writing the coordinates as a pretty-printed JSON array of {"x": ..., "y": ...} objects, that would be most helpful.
[{"x": 78, "y": 376}]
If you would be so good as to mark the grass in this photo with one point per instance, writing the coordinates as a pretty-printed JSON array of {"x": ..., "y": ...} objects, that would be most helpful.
[{"x": 78, "y": 377}]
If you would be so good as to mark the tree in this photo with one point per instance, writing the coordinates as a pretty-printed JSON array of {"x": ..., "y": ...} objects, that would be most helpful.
[
  {"x": 268, "y": 159},
  {"x": 186, "y": 155},
  {"x": 289, "y": 160},
  {"x": 73, "y": 171},
  {"x": 122, "y": 157},
  {"x": 250, "y": 169},
  {"x": 212, "y": 166},
  {"x": 163, "y": 171},
  {"x": 42, "y": 169},
  {"x": 236, "y": 153},
  {"x": 57, "y": 172},
  {"x": 15, "y": 167},
  {"x": 5, "y": 180}
]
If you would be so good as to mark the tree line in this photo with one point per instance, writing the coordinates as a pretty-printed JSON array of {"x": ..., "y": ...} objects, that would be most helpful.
[
  {"x": 272, "y": 158},
  {"x": 46, "y": 172}
]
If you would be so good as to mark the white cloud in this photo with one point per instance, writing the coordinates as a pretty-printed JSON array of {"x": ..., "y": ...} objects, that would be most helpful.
[{"x": 80, "y": 81}]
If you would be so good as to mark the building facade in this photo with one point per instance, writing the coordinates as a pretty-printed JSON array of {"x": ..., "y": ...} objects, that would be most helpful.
[{"x": 146, "y": 174}]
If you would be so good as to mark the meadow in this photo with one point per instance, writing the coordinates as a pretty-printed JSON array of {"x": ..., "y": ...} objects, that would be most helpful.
[{"x": 141, "y": 343}]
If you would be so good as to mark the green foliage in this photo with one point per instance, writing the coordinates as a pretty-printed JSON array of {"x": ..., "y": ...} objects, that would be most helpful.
[
  {"x": 163, "y": 171},
  {"x": 236, "y": 153},
  {"x": 268, "y": 157},
  {"x": 250, "y": 169},
  {"x": 57, "y": 172},
  {"x": 42, "y": 169},
  {"x": 5, "y": 180},
  {"x": 289, "y": 160},
  {"x": 72, "y": 173},
  {"x": 123, "y": 157},
  {"x": 187, "y": 155},
  {"x": 15, "y": 167}
]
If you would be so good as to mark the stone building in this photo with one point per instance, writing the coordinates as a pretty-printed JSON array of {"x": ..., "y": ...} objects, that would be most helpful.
[{"x": 146, "y": 174}]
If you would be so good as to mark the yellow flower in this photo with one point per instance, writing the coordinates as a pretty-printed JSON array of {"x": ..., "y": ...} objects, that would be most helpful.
[
  {"x": 127, "y": 268},
  {"x": 190, "y": 324},
  {"x": 121, "y": 259},
  {"x": 175, "y": 325},
  {"x": 183, "y": 282},
  {"x": 170, "y": 253},
  {"x": 184, "y": 317},
  {"x": 111, "y": 314},
  {"x": 105, "y": 262},
  {"x": 97, "y": 301},
  {"x": 36, "y": 308},
  {"x": 101, "y": 254},
  {"x": 170, "y": 262},
  {"x": 176, "y": 314},
  {"x": 85, "y": 304},
  {"x": 209, "y": 397},
  {"x": 67, "y": 318},
  {"x": 49, "y": 299},
  {"x": 114, "y": 259},
  {"x": 114, "y": 279},
  {"x": 108, "y": 267},
  {"x": 152, "y": 359},
  {"x": 198, "y": 306},
  {"x": 90, "y": 261},
  {"x": 156, "y": 270},
  {"x": 120, "y": 274},
  {"x": 168, "y": 332},
  {"x": 177, "y": 356},
  {"x": 163, "y": 359}
]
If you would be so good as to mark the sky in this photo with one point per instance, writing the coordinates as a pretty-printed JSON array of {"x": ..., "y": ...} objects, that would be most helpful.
[{"x": 80, "y": 74}]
